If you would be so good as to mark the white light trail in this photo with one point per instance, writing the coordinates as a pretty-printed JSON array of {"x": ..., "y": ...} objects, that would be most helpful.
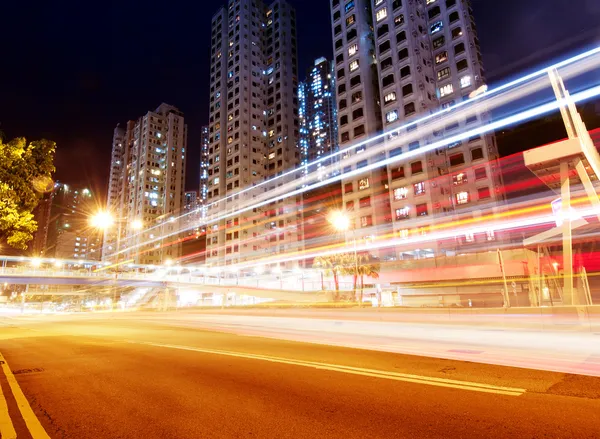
[
  {"x": 491, "y": 127},
  {"x": 575, "y": 67}
]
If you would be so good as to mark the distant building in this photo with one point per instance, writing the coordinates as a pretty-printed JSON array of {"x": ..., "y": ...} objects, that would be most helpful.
[
  {"x": 203, "y": 189},
  {"x": 319, "y": 139},
  {"x": 146, "y": 189},
  {"x": 69, "y": 233},
  {"x": 41, "y": 214}
]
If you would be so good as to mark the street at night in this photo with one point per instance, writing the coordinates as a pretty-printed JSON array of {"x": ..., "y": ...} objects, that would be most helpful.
[{"x": 162, "y": 375}]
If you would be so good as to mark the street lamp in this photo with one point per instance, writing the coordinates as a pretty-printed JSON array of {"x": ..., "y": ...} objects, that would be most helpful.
[
  {"x": 102, "y": 220},
  {"x": 137, "y": 224},
  {"x": 341, "y": 222}
]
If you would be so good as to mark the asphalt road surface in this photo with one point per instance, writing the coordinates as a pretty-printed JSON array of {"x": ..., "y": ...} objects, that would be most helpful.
[{"x": 129, "y": 377}]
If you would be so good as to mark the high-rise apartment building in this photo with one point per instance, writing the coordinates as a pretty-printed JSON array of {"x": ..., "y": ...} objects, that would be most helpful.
[
  {"x": 253, "y": 130},
  {"x": 69, "y": 233},
  {"x": 318, "y": 140},
  {"x": 203, "y": 192},
  {"x": 149, "y": 194},
  {"x": 116, "y": 187},
  {"x": 397, "y": 61},
  {"x": 318, "y": 115}
]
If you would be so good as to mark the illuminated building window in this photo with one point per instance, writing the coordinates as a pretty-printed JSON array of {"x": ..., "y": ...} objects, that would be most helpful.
[
  {"x": 404, "y": 233},
  {"x": 381, "y": 14},
  {"x": 462, "y": 197},
  {"x": 399, "y": 20},
  {"x": 363, "y": 184},
  {"x": 490, "y": 235},
  {"x": 436, "y": 27},
  {"x": 419, "y": 188},
  {"x": 460, "y": 178},
  {"x": 441, "y": 57},
  {"x": 446, "y": 90},
  {"x": 354, "y": 65},
  {"x": 403, "y": 213},
  {"x": 352, "y": 49},
  {"x": 465, "y": 81},
  {"x": 469, "y": 237},
  {"x": 457, "y": 32},
  {"x": 349, "y": 6},
  {"x": 391, "y": 116},
  {"x": 350, "y": 20},
  {"x": 400, "y": 193},
  {"x": 390, "y": 97}
]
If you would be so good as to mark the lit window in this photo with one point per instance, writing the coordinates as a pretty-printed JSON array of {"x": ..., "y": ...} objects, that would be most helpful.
[
  {"x": 403, "y": 233},
  {"x": 419, "y": 188},
  {"x": 363, "y": 183},
  {"x": 430, "y": 1},
  {"x": 390, "y": 97},
  {"x": 446, "y": 90},
  {"x": 490, "y": 235},
  {"x": 462, "y": 198},
  {"x": 350, "y": 20},
  {"x": 465, "y": 81},
  {"x": 400, "y": 193},
  {"x": 352, "y": 49},
  {"x": 436, "y": 27},
  {"x": 349, "y": 6},
  {"x": 391, "y": 116},
  {"x": 366, "y": 221},
  {"x": 403, "y": 213},
  {"x": 381, "y": 14},
  {"x": 354, "y": 65},
  {"x": 469, "y": 237},
  {"x": 441, "y": 57},
  {"x": 378, "y": 2},
  {"x": 460, "y": 178}
]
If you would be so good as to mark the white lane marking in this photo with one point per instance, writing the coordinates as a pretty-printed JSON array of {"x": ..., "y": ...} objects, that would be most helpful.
[
  {"x": 7, "y": 430},
  {"x": 31, "y": 421},
  {"x": 396, "y": 376}
]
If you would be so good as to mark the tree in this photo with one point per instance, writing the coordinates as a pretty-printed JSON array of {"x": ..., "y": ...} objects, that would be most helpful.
[
  {"x": 370, "y": 267},
  {"x": 25, "y": 174},
  {"x": 335, "y": 266}
]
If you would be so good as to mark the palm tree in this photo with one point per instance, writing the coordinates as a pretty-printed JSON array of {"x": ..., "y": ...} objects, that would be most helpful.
[
  {"x": 333, "y": 265},
  {"x": 370, "y": 269}
]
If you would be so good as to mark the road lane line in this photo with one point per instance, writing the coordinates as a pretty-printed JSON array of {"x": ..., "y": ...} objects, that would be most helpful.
[
  {"x": 396, "y": 376},
  {"x": 7, "y": 430},
  {"x": 31, "y": 421}
]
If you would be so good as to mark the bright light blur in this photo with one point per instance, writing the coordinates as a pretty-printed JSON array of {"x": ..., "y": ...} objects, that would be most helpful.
[
  {"x": 102, "y": 220},
  {"x": 137, "y": 224},
  {"x": 36, "y": 262},
  {"x": 339, "y": 220}
]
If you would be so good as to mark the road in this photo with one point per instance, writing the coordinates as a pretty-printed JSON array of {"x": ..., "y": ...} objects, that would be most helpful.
[{"x": 130, "y": 376}]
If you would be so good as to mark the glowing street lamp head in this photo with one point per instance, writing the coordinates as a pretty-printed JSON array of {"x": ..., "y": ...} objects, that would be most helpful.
[
  {"x": 339, "y": 220},
  {"x": 36, "y": 262},
  {"x": 169, "y": 262},
  {"x": 102, "y": 220},
  {"x": 137, "y": 224}
]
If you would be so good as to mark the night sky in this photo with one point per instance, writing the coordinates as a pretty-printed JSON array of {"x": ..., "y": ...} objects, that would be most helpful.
[{"x": 70, "y": 71}]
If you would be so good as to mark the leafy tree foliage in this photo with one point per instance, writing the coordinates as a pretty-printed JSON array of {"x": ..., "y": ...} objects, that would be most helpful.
[{"x": 25, "y": 174}]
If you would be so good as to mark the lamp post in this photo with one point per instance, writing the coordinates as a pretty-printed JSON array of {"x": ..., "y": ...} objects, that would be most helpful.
[
  {"x": 341, "y": 222},
  {"x": 104, "y": 220}
]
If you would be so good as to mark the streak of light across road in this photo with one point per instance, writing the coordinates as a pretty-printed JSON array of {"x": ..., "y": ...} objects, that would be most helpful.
[{"x": 484, "y": 103}]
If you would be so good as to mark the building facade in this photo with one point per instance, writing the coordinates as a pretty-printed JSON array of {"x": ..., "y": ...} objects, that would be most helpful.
[
  {"x": 253, "y": 130},
  {"x": 398, "y": 61},
  {"x": 318, "y": 145},
  {"x": 116, "y": 187},
  {"x": 152, "y": 191},
  {"x": 69, "y": 235}
]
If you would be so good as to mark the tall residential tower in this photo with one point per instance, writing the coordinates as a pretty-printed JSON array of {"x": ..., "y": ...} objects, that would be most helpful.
[
  {"x": 398, "y": 61},
  {"x": 253, "y": 130}
]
